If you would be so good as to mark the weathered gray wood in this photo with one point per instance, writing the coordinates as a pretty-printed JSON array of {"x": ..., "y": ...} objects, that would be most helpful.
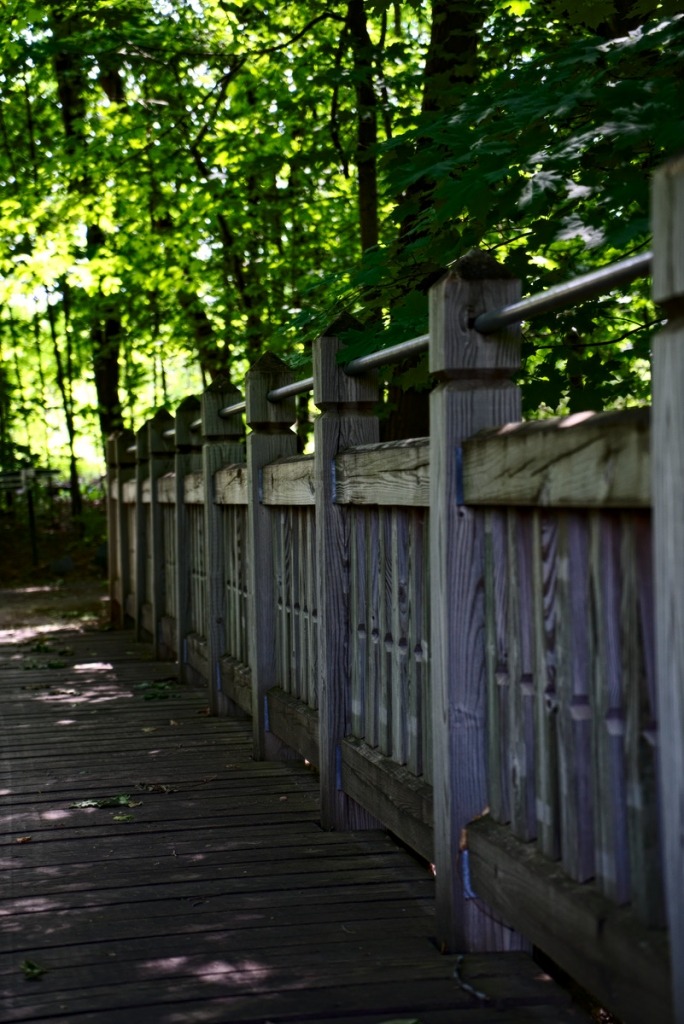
[
  {"x": 610, "y": 799},
  {"x": 221, "y": 447},
  {"x": 142, "y": 530},
  {"x": 600, "y": 945},
  {"x": 418, "y": 712},
  {"x": 358, "y": 622},
  {"x": 346, "y": 419},
  {"x": 391, "y": 793},
  {"x": 472, "y": 395},
  {"x": 399, "y": 623},
  {"x": 498, "y": 680},
  {"x": 646, "y": 890},
  {"x": 374, "y": 646},
  {"x": 121, "y": 469},
  {"x": 668, "y": 540},
  {"x": 193, "y": 488},
  {"x": 230, "y": 485},
  {"x": 271, "y": 438},
  {"x": 394, "y": 473},
  {"x": 236, "y": 687},
  {"x": 166, "y": 489},
  {"x": 544, "y": 575},
  {"x": 289, "y": 482},
  {"x": 293, "y": 722},
  {"x": 576, "y": 714},
  {"x": 586, "y": 460},
  {"x": 312, "y": 600},
  {"x": 384, "y": 684},
  {"x": 160, "y": 454},
  {"x": 521, "y": 691},
  {"x": 187, "y": 456}
]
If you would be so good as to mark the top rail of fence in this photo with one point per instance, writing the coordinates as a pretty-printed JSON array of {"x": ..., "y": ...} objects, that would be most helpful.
[{"x": 561, "y": 296}]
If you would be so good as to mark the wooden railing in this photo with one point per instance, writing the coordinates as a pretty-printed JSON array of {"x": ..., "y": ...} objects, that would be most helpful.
[{"x": 459, "y": 632}]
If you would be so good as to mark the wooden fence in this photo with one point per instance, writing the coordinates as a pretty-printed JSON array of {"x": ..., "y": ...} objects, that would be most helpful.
[{"x": 460, "y": 632}]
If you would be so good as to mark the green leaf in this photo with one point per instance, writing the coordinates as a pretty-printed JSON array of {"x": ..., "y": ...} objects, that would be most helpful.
[{"x": 32, "y": 970}]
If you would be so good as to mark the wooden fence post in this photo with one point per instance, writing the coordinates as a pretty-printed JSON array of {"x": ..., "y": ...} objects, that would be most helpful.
[
  {"x": 142, "y": 540},
  {"x": 346, "y": 419},
  {"x": 474, "y": 393},
  {"x": 271, "y": 438},
  {"x": 221, "y": 448},
  {"x": 667, "y": 447},
  {"x": 121, "y": 465},
  {"x": 160, "y": 453},
  {"x": 187, "y": 460}
]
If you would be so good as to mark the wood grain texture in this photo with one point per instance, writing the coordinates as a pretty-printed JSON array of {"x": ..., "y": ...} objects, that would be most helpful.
[
  {"x": 220, "y": 897},
  {"x": 391, "y": 793},
  {"x": 236, "y": 579},
  {"x": 667, "y": 213},
  {"x": 544, "y": 578},
  {"x": 289, "y": 482},
  {"x": 293, "y": 722},
  {"x": 522, "y": 680},
  {"x": 641, "y": 731},
  {"x": 668, "y": 541},
  {"x": 396, "y": 473},
  {"x": 230, "y": 485},
  {"x": 498, "y": 677},
  {"x": 576, "y": 714},
  {"x": 586, "y": 460},
  {"x": 271, "y": 438},
  {"x": 186, "y": 463},
  {"x": 346, "y": 420},
  {"x": 599, "y": 944},
  {"x": 225, "y": 446},
  {"x": 160, "y": 451},
  {"x": 610, "y": 798},
  {"x": 460, "y": 408}
]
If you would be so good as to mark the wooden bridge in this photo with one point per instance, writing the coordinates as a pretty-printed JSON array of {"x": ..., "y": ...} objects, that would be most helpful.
[
  {"x": 154, "y": 872},
  {"x": 475, "y": 638}
]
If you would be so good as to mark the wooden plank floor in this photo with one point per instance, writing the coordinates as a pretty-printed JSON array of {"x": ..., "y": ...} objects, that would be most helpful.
[{"x": 210, "y": 894}]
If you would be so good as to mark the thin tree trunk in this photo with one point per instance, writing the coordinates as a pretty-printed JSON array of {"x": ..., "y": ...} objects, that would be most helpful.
[
  {"x": 74, "y": 486},
  {"x": 367, "y": 123}
]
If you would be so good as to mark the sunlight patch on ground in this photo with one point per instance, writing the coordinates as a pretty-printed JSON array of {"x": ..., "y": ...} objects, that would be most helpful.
[
  {"x": 24, "y": 634},
  {"x": 244, "y": 972}
]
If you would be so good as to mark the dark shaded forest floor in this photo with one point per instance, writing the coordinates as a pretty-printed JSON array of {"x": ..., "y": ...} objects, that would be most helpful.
[{"x": 61, "y": 575}]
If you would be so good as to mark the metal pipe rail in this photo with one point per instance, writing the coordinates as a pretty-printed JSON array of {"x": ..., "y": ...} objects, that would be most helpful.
[
  {"x": 566, "y": 294},
  {"x": 598, "y": 282}
]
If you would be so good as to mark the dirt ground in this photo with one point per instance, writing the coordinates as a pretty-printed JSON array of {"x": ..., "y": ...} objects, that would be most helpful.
[{"x": 60, "y": 584}]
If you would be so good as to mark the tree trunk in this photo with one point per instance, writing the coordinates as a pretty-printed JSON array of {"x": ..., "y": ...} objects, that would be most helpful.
[{"x": 451, "y": 67}]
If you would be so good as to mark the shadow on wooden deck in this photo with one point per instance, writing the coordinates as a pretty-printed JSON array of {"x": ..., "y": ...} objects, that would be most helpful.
[{"x": 207, "y": 892}]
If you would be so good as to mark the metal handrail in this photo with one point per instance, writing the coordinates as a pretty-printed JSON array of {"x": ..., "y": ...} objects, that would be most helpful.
[{"x": 569, "y": 292}]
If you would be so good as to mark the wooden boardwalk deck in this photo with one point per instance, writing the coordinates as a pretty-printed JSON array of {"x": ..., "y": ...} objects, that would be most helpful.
[{"x": 211, "y": 894}]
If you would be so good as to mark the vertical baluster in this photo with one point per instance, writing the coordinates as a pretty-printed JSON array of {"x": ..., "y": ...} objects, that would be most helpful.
[{"x": 271, "y": 438}]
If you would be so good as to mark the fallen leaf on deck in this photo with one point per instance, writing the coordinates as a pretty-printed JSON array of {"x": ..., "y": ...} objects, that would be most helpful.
[
  {"x": 32, "y": 970},
  {"x": 123, "y": 817},
  {"x": 122, "y": 800},
  {"x": 24, "y": 839}
]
